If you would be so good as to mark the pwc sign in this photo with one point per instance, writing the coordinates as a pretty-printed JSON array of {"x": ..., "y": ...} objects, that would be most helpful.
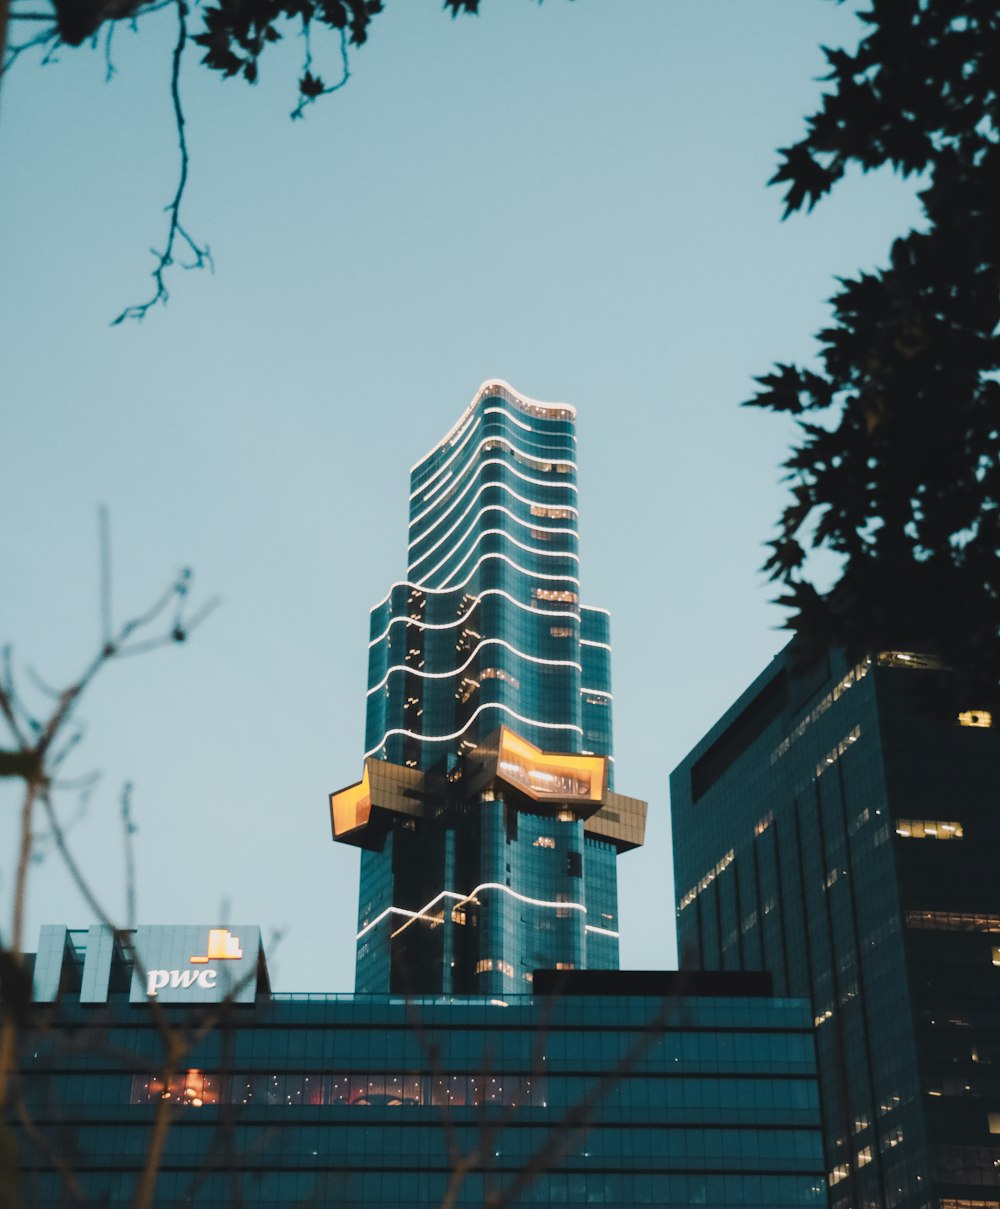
[{"x": 196, "y": 964}]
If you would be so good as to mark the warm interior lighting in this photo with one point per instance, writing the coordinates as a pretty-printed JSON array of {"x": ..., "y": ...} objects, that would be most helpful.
[
  {"x": 550, "y": 775},
  {"x": 351, "y": 807},
  {"x": 929, "y": 829},
  {"x": 975, "y": 717}
]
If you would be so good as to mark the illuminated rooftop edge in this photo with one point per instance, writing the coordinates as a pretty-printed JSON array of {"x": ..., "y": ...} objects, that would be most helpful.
[{"x": 484, "y": 389}]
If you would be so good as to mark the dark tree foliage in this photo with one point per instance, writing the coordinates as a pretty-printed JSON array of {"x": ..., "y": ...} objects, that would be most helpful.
[{"x": 901, "y": 475}]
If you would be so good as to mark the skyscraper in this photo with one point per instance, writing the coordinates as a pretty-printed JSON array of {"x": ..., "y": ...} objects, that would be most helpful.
[
  {"x": 839, "y": 827},
  {"x": 486, "y": 816}
]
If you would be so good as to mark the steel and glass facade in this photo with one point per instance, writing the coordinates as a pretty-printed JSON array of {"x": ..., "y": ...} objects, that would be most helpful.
[
  {"x": 633, "y": 1089},
  {"x": 484, "y": 656},
  {"x": 839, "y": 827}
]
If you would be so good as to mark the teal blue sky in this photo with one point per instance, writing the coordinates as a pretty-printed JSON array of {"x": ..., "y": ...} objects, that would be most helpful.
[{"x": 572, "y": 197}]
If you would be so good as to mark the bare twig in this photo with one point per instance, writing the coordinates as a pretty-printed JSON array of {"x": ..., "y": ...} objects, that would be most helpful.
[
  {"x": 48, "y": 38},
  {"x": 109, "y": 67},
  {"x": 69, "y": 1181},
  {"x": 310, "y": 86},
  {"x": 104, "y": 540},
  {"x": 176, "y": 232},
  {"x": 128, "y": 831}
]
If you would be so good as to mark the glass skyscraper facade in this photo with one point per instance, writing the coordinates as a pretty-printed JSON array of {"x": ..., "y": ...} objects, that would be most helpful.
[
  {"x": 633, "y": 1089},
  {"x": 487, "y": 818},
  {"x": 839, "y": 827}
]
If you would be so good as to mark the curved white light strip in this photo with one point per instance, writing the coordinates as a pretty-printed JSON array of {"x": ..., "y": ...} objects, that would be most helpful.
[
  {"x": 601, "y": 931},
  {"x": 402, "y": 667},
  {"x": 598, "y": 609},
  {"x": 477, "y": 466},
  {"x": 465, "y": 898},
  {"x": 540, "y": 450},
  {"x": 480, "y": 393},
  {"x": 521, "y": 499},
  {"x": 444, "y": 465},
  {"x": 411, "y": 734},
  {"x": 588, "y": 641},
  {"x": 507, "y": 416},
  {"x": 513, "y": 540},
  {"x": 597, "y": 692},
  {"x": 448, "y": 625},
  {"x": 479, "y": 515},
  {"x": 447, "y": 586}
]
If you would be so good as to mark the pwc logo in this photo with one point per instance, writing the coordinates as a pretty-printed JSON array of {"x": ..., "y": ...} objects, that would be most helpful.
[{"x": 222, "y": 946}]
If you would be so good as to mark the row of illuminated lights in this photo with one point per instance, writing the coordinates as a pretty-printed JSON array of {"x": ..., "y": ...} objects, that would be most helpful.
[
  {"x": 410, "y": 620},
  {"x": 478, "y": 467},
  {"x": 457, "y": 671},
  {"x": 452, "y": 579},
  {"x": 197, "y": 1089},
  {"x": 434, "y": 481},
  {"x": 535, "y": 507},
  {"x": 480, "y": 535},
  {"x": 854, "y": 676},
  {"x": 707, "y": 880},
  {"x": 917, "y": 829},
  {"x": 834, "y": 755},
  {"x": 896, "y": 659},
  {"x": 432, "y": 911},
  {"x": 487, "y": 705},
  {"x": 540, "y": 533},
  {"x": 501, "y": 390}
]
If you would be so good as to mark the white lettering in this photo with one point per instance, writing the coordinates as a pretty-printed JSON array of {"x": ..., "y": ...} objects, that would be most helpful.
[{"x": 156, "y": 980}]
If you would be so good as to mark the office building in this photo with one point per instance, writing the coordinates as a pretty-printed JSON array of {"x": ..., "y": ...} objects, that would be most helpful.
[
  {"x": 486, "y": 816},
  {"x": 839, "y": 827},
  {"x": 490, "y": 1060},
  {"x": 624, "y": 1089}
]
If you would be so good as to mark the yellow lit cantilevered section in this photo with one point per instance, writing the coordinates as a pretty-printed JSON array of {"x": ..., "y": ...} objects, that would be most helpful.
[
  {"x": 351, "y": 807},
  {"x": 550, "y": 776}
]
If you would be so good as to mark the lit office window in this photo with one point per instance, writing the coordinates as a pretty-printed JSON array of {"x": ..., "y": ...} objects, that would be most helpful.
[
  {"x": 975, "y": 717},
  {"x": 928, "y": 829}
]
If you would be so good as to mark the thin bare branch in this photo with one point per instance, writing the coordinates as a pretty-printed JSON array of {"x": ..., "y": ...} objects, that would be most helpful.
[
  {"x": 48, "y": 38},
  {"x": 31, "y": 791},
  {"x": 310, "y": 86},
  {"x": 128, "y": 831},
  {"x": 75, "y": 872},
  {"x": 176, "y": 232},
  {"x": 103, "y": 520},
  {"x": 70, "y": 1183}
]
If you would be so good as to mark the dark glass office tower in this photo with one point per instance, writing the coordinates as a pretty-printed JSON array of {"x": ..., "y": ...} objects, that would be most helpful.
[
  {"x": 840, "y": 828},
  {"x": 486, "y": 814}
]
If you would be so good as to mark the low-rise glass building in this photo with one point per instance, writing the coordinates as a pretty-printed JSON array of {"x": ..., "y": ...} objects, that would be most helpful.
[{"x": 607, "y": 1088}]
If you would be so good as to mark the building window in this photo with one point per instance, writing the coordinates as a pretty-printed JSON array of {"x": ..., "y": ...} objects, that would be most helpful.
[
  {"x": 544, "y": 841},
  {"x": 565, "y": 965},
  {"x": 554, "y": 514},
  {"x": 559, "y": 595},
  {"x": 560, "y": 631},
  {"x": 928, "y": 829},
  {"x": 574, "y": 864},
  {"x": 833, "y": 756},
  {"x": 458, "y": 915},
  {"x": 975, "y": 717},
  {"x": 762, "y": 824},
  {"x": 952, "y": 921}
]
